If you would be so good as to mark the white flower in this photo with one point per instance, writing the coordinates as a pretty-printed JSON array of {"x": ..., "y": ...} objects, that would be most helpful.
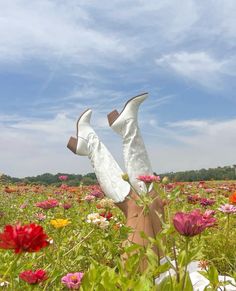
[
  {"x": 4, "y": 283},
  {"x": 98, "y": 220}
]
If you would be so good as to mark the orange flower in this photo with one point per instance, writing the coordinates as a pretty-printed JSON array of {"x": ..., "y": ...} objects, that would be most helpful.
[{"x": 232, "y": 198}]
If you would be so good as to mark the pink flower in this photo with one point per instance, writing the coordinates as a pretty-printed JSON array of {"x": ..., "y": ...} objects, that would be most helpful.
[
  {"x": 33, "y": 277},
  {"x": 72, "y": 280},
  {"x": 227, "y": 208},
  {"x": 149, "y": 178},
  {"x": 208, "y": 218},
  {"x": 201, "y": 184},
  {"x": 63, "y": 177},
  {"x": 192, "y": 223},
  {"x": 89, "y": 197},
  {"x": 47, "y": 204},
  {"x": 40, "y": 216}
]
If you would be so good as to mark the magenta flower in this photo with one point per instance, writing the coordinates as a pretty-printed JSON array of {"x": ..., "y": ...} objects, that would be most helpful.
[
  {"x": 72, "y": 280},
  {"x": 67, "y": 206},
  {"x": 192, "y": 223},
  {"x": 227, "y": 208},
  {"x": 206, "y": 202},
  {"x": 47, "y": 204},
  {"x": 149, "y": 178},
  {"x": 97, "y": 194},
  {"x": 63, "y": 177}
]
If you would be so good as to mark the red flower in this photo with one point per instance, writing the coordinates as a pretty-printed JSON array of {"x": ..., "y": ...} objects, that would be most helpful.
[
  {"x": 47, "y": 204},
  {"x": 107, "y": 215},
  {"x": 33, "y": 277},
  {"x": 26, "y": 238},
  {"x": 192, "y": 223}
]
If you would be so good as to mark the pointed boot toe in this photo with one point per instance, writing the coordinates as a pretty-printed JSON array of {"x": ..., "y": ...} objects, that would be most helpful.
[
  {"x": 79, "y": 145},
  {"x": 130, "y": 110}
]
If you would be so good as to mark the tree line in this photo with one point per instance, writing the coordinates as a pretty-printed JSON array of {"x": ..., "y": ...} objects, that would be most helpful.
[{"x": 219, "y": 173}]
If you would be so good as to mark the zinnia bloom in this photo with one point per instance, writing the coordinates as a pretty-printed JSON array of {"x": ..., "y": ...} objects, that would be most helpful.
[
  {"x": 58, "y": 223},
  {"x": 67, "y": 206},
  {"x": 33, "y": 277},
  {"x": 72, "y": 280},
  {"x": 232, "y": 198},
  {"x": 192, "y": 223},
  {"x": 47, "y": 204},
  {"x": 206, "y": 202},
  {"x": 227, "y": 208},
  {"x": 98, "y": 220},
  {"x": 89, "y": 197},
  {"x": 26, "y": 238},
  {"x": 149, "y": 178}
]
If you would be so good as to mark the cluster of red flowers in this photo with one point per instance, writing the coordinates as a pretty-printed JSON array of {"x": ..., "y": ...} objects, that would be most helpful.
[
  {"x": 108, "y": 215},
  {"x": 23, "y": 238},
  {"x": 47, "y": 204},
  {"x": 193, "y": 223}
]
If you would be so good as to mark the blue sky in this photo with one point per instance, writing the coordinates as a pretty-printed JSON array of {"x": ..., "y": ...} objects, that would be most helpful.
[{"x": 58, "y": 58}]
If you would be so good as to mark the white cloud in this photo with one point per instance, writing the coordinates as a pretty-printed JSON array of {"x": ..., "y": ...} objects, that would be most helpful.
[
  {"x": 36, "y": 146},
  {"x": 51, "y": 29},
  {"x": 197, "y": 144},
  {"x": 199, "y": 67}
]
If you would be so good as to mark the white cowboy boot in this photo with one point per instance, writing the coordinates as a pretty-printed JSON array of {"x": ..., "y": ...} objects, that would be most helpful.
[
  {"x": 107, "y": 171},
  {"x": 135, "y": 154}
]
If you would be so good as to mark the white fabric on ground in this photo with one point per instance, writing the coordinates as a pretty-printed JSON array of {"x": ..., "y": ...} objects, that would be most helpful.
[{"x": 199, "y": 282}]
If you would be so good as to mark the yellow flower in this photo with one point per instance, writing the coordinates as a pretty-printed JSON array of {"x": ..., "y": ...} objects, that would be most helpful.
[{"x": 58, "y": 223}]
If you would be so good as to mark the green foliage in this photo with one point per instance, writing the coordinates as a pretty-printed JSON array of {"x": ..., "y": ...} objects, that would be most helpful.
[
  {"x": 219, "y": 173},
  {"x": 99, "y": 253}
]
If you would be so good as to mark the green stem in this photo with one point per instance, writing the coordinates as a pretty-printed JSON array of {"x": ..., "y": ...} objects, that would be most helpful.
[
  {"x": 176, "y": 262},
  {"x": 80, "y": 242},
  {"x": 227, "y": 230},
  {"x": 11, "y": 266},
  {"x": 186, "y": 262}
]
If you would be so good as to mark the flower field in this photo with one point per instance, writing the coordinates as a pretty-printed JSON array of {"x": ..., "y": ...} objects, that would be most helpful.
[{"x": 61, "y": 238}]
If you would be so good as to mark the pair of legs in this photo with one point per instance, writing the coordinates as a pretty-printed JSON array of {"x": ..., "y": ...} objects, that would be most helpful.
[{"x": 109, "y": 174}]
